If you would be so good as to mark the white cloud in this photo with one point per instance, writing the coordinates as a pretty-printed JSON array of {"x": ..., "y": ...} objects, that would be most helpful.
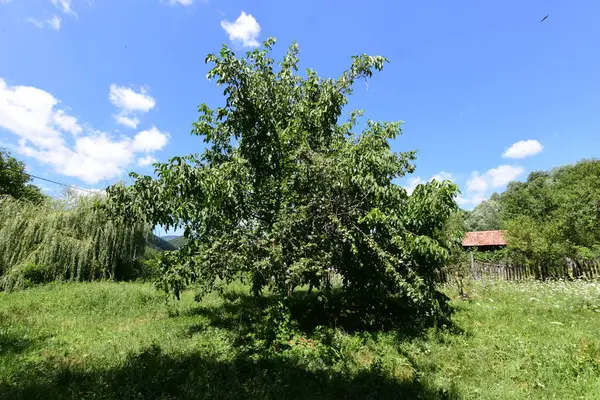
[
  {"x": 412, "y": 184},
  {"x": 54, "y": 22},
  {"x": 150, "y": 140},
  {"x": 182, "y": 2},
  {"x": 503, "y": 174},
  {"x": 29, "y": 112},
  {"x": 523, "y": 149},
  {"x": 64, "y": 6},
  {"x": 66, "y": 122},
  {"x": 245, "y": 29},
  {"x": 417, "y": 180},
  {"x": 130, "y": 122},
  {"x": 479, "y": 185},
  {"x": 442, "y": 176},
  {"x": 145, "y": 161},
  {"x": 36, "y": 23},
  {"x": 473, "y": 200},
  {"x": 130, "y": 102},
  {"x": 54, "y": 138}
]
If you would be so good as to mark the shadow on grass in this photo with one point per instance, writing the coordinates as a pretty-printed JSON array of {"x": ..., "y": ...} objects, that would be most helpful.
[
  {"x": 13, "y": 343},
  {"x": 244, "y": 313},
  {"x": 153, "y": 374}
]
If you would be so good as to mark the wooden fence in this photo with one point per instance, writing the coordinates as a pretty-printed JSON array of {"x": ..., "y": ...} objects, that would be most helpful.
[{"x": 508, "y": 272}]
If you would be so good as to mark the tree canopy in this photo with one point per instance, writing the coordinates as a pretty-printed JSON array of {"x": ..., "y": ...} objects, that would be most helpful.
[
  {"x": 65, "y": 239},
  {"x": 285, "y": 194},
  {"x": 14, "y": 181},
  {"x": 485, "y": 216},
  {"x": 554, "y": 215}
]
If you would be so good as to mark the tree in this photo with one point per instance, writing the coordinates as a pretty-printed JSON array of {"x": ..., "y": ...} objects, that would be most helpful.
[
  {"x": 553, "y": 216},
  {"x": 65, "y": 239},
  {"x": 283, "y": 194},
  {"x": 485, "y": 216},
  {"x": 14, "y": 180}
]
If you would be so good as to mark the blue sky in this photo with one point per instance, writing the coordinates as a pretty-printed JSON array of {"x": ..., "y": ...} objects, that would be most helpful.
[{"x": 90, "y": 90}]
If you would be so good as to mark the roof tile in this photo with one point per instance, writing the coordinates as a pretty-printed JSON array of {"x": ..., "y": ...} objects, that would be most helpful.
[{"x": 484, "y": 238}]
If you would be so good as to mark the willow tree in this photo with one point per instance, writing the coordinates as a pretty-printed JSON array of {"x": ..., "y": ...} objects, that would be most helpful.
[
  {"x": 68, "y": 239},
  {"x": 284, "y": 193}
]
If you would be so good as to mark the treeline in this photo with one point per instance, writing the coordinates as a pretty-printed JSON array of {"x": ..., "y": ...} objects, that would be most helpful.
[
  {"x": 552, "y": 219},
  {"x": 44, "y": 239}
]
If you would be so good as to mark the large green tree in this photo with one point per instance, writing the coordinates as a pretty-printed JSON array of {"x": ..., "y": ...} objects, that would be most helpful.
[
  {"x": 485, "y": 216},
  {"x": 14, "y": 181},
  {"x": 555, "y": 215},
  {"x": 285, "y": 195}
]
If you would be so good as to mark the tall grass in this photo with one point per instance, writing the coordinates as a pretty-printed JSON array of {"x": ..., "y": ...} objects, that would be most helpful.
[{"x": 67, "y": 239}]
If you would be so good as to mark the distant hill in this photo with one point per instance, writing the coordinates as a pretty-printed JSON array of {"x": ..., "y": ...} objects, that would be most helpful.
[
  {"x": 168, "y": 238},
  {"x": 160, "y": 244},
  {"x": 178, "y": 242}
]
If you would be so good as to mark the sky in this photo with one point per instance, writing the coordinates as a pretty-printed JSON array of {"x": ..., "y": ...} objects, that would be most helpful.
[{"x": 488, "y": 92}]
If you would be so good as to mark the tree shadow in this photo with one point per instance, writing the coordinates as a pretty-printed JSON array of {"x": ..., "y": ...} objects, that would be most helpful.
[
  {"x": 153, "y": 374},
  {"x": 245, "y": 313},
  {"x": 12, "y": 343}
]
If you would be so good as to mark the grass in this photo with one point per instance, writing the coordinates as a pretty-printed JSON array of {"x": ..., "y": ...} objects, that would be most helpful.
[{"x": 124, "y": 340}]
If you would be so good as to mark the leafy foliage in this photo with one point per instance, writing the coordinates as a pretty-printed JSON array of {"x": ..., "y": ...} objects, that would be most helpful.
[
  {"x": 284, "y": 195},
  {"x": 553, "y": 216},
  {"x": 14, "y": 180},
  {"x": 485, "y": 216},
  {"x": 67, "y": 239}
]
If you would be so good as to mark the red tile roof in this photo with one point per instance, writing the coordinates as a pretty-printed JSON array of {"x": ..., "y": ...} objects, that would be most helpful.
[{"x": 485, "y": 238}]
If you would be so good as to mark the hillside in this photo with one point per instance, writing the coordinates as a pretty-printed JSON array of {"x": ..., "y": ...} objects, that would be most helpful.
[
  {"x": 160, "y": 244},
  {"x": 178, "y": 242},
  {"x": 168, "y": 238}
]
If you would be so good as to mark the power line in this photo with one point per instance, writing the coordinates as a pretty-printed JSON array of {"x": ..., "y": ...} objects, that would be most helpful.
[
  {"x": 58, "y": 183},
  {"x": 51, "y": 181}
]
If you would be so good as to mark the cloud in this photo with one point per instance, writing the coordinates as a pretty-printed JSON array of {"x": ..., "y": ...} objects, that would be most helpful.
[
  {"x": 52, "y": 23},
  {"x": 477, "y": 183},
  {"x": 66, "y": 122},
  {"x": 478, "y": 186},
  {"x": 245, "y": 29},
  {"x": 181, "y": 2},
  {"x": 417, "y": 180},
  {"x": 503, "y": 174},
  {"x": 64, "y": 6},
  {"x": 473, "y": 200},
  {"x": 145, "y": 161},
  {"x": 130, "y": 102},
  {"x": 523, "y": 149},
  {"x": 442, "y": 176},
  {"x": 413, "y": 182},
  {"x": 55, "y": 138},
  {"x": 130, "y": 122},
  {"x": 150, "y": 140}
]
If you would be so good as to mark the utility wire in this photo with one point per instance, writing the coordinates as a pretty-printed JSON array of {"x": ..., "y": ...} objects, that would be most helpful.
[{"x": 51, "y": 181}]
